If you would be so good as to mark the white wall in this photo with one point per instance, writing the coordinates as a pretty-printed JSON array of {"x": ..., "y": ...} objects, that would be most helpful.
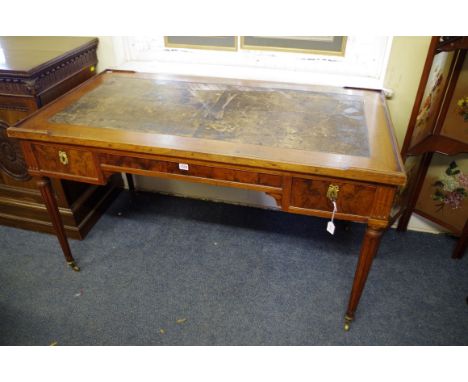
[{"x": 404, "y": 69}]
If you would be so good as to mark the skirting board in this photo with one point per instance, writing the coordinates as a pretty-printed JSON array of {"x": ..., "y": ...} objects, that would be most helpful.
[{"x": 420, "y": 224}]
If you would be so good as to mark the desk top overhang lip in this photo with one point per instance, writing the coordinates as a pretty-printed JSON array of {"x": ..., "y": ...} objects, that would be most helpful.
[{"x": 382, "y": 166}]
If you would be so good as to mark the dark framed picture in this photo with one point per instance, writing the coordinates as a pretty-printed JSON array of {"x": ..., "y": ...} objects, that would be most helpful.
[
  {"x": 326, "y": 45},
  {"x": 202, "y": 42}
]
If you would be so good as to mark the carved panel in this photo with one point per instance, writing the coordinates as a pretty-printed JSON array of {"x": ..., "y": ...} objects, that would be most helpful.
[
  {"x": 46, "y": 78},
  {"x": 13, "y": 86},
  {"x": 11, "y": 157},
  {"x": 65, "y": 69}
]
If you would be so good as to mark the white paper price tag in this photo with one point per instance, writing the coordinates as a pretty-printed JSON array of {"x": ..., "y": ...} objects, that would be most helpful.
[
  {"x": 331, "y": 227},
  {"x": 183, "y": 166}
]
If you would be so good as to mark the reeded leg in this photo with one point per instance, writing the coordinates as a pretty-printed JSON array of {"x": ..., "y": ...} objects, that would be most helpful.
[
  {"x": 369, "y": 247},
  {"x": 51, "y": 204}
]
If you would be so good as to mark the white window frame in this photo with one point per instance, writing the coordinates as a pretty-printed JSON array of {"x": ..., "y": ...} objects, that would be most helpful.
[{"x": 363, "y": 65}]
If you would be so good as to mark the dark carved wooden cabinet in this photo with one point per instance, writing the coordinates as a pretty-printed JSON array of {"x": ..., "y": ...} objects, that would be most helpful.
[{"x": 33, "y": 72}]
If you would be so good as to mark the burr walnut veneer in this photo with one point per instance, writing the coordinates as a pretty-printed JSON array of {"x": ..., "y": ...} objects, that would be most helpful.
[{"x": 305, "y": 146}]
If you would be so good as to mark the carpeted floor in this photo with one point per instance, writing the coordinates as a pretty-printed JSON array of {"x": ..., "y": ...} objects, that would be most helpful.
[{"x": 160, "y": 270}]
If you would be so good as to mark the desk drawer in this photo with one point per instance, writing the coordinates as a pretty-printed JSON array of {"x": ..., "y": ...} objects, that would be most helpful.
[
  {"x": 190, "y": 170},
  {"x": 65, "y": 160},
  {"x": 226, "y": 174},
  {"x": 353, "y": 198}
]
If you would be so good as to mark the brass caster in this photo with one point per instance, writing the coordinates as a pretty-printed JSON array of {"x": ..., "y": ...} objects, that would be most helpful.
[
  {"x": 73, "y": 266},
  {"x": 347, "y": 324}
]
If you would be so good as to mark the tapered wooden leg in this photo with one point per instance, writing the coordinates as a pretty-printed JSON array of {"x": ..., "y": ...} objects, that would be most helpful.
[
  {"x": 369, "y": 247},
  {"x": 47, "y": 194}
]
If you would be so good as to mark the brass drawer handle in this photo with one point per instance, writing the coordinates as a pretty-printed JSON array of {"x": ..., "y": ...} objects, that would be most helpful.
[
  {"x": 63, "y": 157},
  {"x": 332, "y": 192}
]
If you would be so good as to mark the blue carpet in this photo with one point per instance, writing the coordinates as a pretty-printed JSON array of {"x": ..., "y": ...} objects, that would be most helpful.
[{"x": 160, "y": 270}]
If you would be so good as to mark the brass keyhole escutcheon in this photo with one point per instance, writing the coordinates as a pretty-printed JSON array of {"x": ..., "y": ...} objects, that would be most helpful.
[
  {"x": 332, "y": 192},
  {"x": 63, "y": 157}
]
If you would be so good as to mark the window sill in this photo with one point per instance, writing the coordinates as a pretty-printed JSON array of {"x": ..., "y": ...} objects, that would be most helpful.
[{"x": 251, "y": 73}]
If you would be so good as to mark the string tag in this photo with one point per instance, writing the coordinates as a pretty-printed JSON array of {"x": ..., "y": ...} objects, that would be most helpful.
[{"x": 331, "y": 225}]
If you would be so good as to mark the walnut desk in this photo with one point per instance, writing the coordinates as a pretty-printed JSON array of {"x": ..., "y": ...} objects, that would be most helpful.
[{"x": 306, "y": 146}]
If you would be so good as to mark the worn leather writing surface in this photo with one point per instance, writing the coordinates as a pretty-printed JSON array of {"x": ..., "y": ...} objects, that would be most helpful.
[{"x": 293, "y": 119}]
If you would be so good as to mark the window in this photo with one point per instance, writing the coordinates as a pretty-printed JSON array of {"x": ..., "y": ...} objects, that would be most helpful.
[
  {"x": 202, "y": 42},
  {"x": 356, "y": 61},
  {"x": 325, "y": 45}
]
